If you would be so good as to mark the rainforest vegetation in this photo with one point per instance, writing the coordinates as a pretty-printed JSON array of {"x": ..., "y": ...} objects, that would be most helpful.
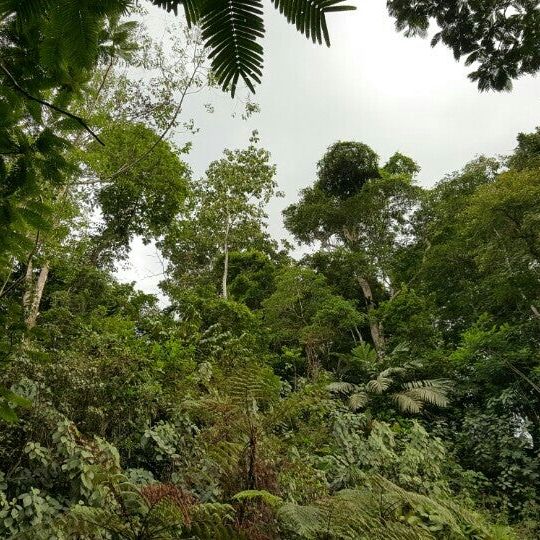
[{"x": 384, "y": 385}]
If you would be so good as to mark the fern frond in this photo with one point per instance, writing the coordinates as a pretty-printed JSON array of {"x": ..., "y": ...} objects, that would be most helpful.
[
  {"x": 88, "y": 520},
  {"x": 27, "y": 10},
  {"x": 253, "y": 385},
  {"x": 341, "y": 387},
  {"x": 407, "y": 403},
  {"x": 379, "y": 385},
  {"x": 253, "y": 494},
  {"x": 305, "y": 521},
  {"x": 358, "y": 400},
  {"x": 433, "y": 391},
  {"x": 309, "y": 16},
  {"x": 169, "y": 5},
  {"x": 365, "y": 353},
  {"x": 212, "y": 513},
  {"x": 230, "y": 31},
  {"x": 392, "y": 371}
]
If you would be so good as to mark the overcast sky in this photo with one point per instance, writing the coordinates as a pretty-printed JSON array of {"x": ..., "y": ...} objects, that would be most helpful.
[{"x": 372, "y": 85}]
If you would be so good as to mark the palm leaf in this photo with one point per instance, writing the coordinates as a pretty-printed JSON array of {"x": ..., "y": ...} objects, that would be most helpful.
[
  {"x": 169, "y": 5},
  {"x": 407, "y": 403},
  {"x": 432, "y": 391},
  {"x": 341, "y": 387},
  {"x": 231, "y": 29},
  {"x": 25, "y": 9}
]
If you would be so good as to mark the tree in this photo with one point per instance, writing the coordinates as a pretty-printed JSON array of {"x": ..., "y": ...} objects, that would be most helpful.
[
  {"x": 438, "y": 262},
  {"x": 226, "y": 213},
  {"x": 410, "y": 396},
  {"x": 141, "y": 201},
  {"x": 361, "y": 209},
  {"x": 501, "y": 37},
  {"x": 303, "y": 311},
  {"x": 251, "y": 276},
  {"x": 70, "y": 30}
]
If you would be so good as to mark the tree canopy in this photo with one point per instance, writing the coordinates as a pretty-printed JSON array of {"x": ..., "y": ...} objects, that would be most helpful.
[{"x": 383, "y": 385}]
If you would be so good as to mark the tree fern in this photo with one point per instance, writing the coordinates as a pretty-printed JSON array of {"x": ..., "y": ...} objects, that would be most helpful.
[
  {"x": 410, "y": 397},
  {"x": 416, "y": 393}
]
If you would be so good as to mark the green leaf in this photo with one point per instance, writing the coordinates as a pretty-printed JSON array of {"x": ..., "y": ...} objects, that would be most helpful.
[
  {"x": 7, "y": 413},
  {"x": 14, "y": 398}
]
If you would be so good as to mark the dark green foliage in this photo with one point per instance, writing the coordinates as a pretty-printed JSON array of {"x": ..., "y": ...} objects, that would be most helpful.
[
  {"x": 140, "y": 199},
  {"x": 401, "y": 164},
  {"x": 500, "y": 37},
  {"x": 71, "y": 29},
  {"x": 270, "y": 398},
  {"x": 527, "y": 153},
  {"x": 345, "y": 168},
  {"x": 252, "y": 276}
]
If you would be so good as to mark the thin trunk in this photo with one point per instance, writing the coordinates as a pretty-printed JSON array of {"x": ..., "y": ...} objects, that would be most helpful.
[
  {"x": 28, "y": 286},
  {"x": 251, "y": 472},
  {"x": 374, "y": 326},
  {"x": 225, "y": 260},
  {"x": 37, "y": 293},
  {"x": 312, "y": 361},
  {"x": 34, "y": 292}
]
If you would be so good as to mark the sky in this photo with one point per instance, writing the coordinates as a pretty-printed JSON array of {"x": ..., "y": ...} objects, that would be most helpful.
[{"x": 372, "y": 85}]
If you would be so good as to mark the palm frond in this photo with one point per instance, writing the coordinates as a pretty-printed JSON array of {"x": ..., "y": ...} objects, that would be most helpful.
[
  {"x": 231, "y": 30},
  {"x": 25, "y": 9},
  {"x": 341, "y": 387},
  {"x": 392, "y": 371},
  {"x": 407, "y": 403},
  {"x": 434, "y": 391},
  {"x": 169, "y": 5}
]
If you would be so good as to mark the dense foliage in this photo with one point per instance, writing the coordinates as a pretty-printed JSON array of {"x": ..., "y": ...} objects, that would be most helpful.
[{"x": 386, "y": 386}]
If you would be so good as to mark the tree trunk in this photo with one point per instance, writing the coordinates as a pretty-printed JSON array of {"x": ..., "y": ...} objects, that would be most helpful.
[
  {"x": 33, "y": 300},
  {"x": 224, "y": 292},
  {"x": 312, "y": 361},
  {"x": 28, "y": 286},
  {"x": 374, "y": 326}
]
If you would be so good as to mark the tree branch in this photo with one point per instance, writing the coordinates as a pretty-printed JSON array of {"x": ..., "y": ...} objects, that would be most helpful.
[
  {"x": 128, "y": 166},
  {"x": 29, "y": 96}
]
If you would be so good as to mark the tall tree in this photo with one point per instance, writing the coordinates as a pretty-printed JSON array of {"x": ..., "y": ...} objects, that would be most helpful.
[
  {"x": 226, "y": 213},
  {"x": 362, "y": 209}
]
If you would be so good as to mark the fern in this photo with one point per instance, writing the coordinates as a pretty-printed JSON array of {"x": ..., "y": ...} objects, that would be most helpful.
[
  {"x": 410, "y": 398},
  {"x": 381, "y": 510},
  {"x": 416, "y": 393},
  {"x": 358, "y": 400},
  {"x": 263, "y": 495},
  {"x": 309, "y": 16}
]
